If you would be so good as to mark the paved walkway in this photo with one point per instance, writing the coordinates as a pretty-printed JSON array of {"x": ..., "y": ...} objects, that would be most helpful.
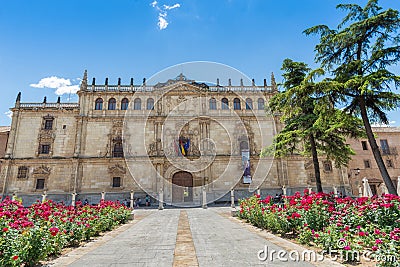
[{"x": 183, "y": 237}]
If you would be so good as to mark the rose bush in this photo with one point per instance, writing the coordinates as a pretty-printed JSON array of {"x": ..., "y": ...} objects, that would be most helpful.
[
  {"x": 370, "y": 226},
  {"x": 29, "y": 235}
]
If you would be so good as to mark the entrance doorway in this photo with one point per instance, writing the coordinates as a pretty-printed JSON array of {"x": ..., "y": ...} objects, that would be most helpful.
[{"x": 182, "y": 187}]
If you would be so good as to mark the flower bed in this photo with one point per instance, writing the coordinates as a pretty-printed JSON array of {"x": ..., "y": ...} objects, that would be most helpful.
[
  {"x": 366, "y": 229},
  {"x": 29, "y": 235}
]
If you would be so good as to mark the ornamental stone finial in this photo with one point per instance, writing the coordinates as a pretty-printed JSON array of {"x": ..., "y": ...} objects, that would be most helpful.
[
  {"x": 119, "y": 81},
  {"x": 131, "y": 81},
  {"x": 94, "y": 81},
  {"x": 106, "y": 81},
  {"x": 241, "y": 82},
  {"x": 273, "y": 83},
  {"x": 253, "y": 83},
  {"x": 84, "y": 81},
  {"x": 85, "y": 76},
  {"x": 229, "y": 82},
  {"x": 18, "y": 100}
]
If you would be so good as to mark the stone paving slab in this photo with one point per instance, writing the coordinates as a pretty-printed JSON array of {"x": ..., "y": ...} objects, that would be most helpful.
[
  {"x": 205, "y": 237},
  {"x": 221, "y": 242},
  {"x": 150, "y": 242}
]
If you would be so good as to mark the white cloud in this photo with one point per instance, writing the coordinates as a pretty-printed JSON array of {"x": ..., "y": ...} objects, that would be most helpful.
[
  {"x": 162, "y": 23},
  {"x": 62, "y": 86},
  {"x": 8, "y": 114},
  {"x": 166, "y": 7},
  {"x": 72, "y": 89},
  {"x": 162, "y": 13},
  {"x": 51, "y": 82}
]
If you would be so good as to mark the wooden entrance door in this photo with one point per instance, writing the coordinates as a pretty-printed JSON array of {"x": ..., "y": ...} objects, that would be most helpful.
[{"x": 182, "y": 187}]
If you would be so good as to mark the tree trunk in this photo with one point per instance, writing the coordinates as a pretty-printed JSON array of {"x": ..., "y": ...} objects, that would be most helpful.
[
  {"x": 316, "y": 163},
  {"x": 375, "y": 149}
]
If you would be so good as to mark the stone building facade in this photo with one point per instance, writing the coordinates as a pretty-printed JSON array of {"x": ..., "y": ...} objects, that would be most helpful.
[
  {"x": 179, "y": 141},
  {"x": 363, "y": 163},
  {"x": 4, "y": 131}
]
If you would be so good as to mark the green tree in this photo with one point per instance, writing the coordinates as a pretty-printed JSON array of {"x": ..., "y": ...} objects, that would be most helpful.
[
  {"x": 358, "y": 53},
  {"x": 312, "y": 126}
]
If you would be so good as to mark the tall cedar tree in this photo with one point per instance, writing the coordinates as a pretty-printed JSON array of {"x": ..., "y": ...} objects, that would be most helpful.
[
  {"x": 358, "y": 53},
  {"x": 312, "y": 125}
]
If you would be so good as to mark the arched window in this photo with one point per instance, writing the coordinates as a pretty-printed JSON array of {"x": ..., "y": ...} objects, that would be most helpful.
[
  {"x": 124, "y": 104},
  {"x": 137, "y": 104},
  {"x": 225, "y": 103},
  {"x": 98, "y": 104},
  {"x": 150, "y": 104},
  {"x": 213, "y": 103},
  {"x": 249, "y": 104},
  {"x": 112, "y": 104},
  {"x": 236, "y": 104},
  {"x": 261, "y": 104}
]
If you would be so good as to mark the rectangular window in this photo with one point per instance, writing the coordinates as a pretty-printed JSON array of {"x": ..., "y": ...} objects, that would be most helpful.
[
  {"x": 118, "y": 151},
  {"x": 327, "y": 166},
  {"x": 373, "y": 189},
  {"x": 22, "y": 172},
  {"x": 44, "y": 149},
  {"x": 312, "y": 177},
  {"x": 389, "y": 163},
  {"x": 364, "y": 145},
  {"x": 384, "y": 147},
  {"x": 116, "y": 182},
  {"x": 48, "y": 124},
  {"x": 39, "y": 184},
  {"x": 367, "y": 164}
]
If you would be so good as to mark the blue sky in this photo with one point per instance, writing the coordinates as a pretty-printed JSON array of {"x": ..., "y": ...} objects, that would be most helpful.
[{"x": 138, "y": 38}]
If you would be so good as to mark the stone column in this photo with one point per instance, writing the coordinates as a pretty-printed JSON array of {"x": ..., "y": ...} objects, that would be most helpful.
[
  {"x": 335, "y": 191},
  {"x": 131, "y": 204},
  {"x": 232, "y": 198},
  {"x": 161, "y": 199},
  {"x": 44, "y": 196},
  {"x": 73, "y": 199},
  {"x": 204, "y": 202}
]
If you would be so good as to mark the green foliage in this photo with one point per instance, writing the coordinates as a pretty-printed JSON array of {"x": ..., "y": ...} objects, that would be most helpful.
[
  {"x": 366, "y": 227},
  {"x": 312, "y": 126},
  {"x": 29, "y": 235},
  {"x": 358, "y": 54}
]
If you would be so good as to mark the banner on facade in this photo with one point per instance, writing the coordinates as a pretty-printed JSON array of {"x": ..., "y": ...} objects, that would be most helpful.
[{"x": 246, "y": 167}]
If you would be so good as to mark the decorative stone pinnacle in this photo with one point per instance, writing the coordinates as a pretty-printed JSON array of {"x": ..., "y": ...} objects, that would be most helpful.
[
  {"x": 18, "y": 97},
  {"x": 273, "y": 83},
  {"x": 83, "y": 86}
]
